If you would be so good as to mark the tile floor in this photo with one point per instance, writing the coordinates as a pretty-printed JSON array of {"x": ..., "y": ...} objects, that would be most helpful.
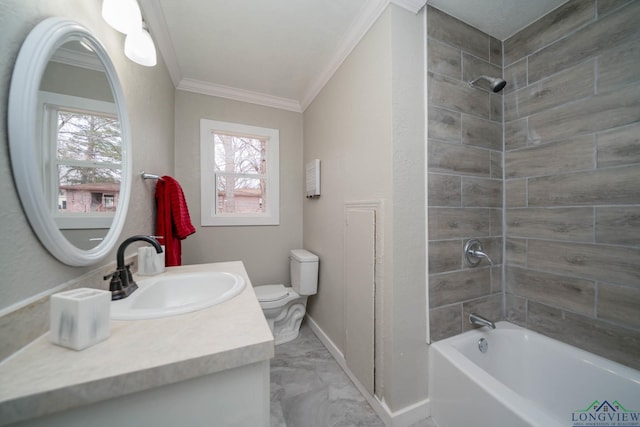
[{"x": 309, "y": 389}]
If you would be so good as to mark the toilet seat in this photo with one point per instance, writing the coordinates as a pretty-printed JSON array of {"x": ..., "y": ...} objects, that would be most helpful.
[
  {"x": 274, "y": 296},
  {"x": 270, "y": 293}
]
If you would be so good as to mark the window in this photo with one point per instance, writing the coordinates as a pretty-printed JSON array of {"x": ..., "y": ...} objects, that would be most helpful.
[
  {"x": 239, "y": 174},
  {"x": 82, "y": 160}
]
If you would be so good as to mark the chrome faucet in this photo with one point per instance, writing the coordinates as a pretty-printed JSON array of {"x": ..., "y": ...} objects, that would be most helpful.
[
  {"x": 473, "y": 253},
  {"x": 476, "y": 319},
  {"x": 122, "y": 283}
]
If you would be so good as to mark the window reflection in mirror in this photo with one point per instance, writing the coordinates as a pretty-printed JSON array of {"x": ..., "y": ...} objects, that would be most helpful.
[{"x": 81, "y": 155}]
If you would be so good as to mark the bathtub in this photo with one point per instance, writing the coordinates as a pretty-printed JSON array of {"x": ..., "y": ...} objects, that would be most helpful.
[{"x": 527, "y": 379}]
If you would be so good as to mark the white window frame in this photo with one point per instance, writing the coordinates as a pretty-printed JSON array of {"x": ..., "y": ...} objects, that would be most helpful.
[
  {"x": 208, "y": 188},
  {"x": 47, "y": 116}
]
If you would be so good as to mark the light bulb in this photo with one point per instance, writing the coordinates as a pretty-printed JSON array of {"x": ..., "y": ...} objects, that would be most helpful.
[
  {"x": 139, "y": 47},
  {"x": 122, "y": 15}
]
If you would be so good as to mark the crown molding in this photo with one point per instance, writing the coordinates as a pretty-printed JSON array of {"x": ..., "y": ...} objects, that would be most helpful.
[
  {"x": 363, "y": 22},
  {"x": 211, "y": 89},
  {"x": 154, "y": 16},
  {"x": 359, "y": 27},
  {"x": 78, "y": 59},
  {"x": 412, "y": 6}
]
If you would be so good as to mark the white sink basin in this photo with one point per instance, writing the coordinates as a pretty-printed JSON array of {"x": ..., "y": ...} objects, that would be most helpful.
[{"x": 169, "y": 294}]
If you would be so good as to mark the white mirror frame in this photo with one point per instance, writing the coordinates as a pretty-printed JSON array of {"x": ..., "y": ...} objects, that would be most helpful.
[{"x": 30, "y": 65}]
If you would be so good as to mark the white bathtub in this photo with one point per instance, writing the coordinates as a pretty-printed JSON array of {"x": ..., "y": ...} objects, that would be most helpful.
[{"x": 527, "y": 379}]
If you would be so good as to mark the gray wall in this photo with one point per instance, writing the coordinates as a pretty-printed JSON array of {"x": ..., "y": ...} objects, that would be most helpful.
[
  {"x": 572, "y": 126},
  {"x": 464, "y": 173},
  {"x": 28, "y": 271},
  {"x": 348, "y": 127},
  {"x": 366, "y": 128},
  {"x": 76, "y": 81},
  {"x": 263, "y": 249}
]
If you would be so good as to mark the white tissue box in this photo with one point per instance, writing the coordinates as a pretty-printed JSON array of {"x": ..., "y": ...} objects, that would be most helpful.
[{"x": 80, "y": 318}]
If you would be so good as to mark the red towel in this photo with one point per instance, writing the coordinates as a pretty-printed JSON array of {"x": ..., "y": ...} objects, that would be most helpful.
[{"x": 174, "y": 223}]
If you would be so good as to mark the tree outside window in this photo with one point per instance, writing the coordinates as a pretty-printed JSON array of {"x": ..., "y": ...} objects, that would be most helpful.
[
  {"x": 241, "y": 168},
  {"x": 239, "y": 174},
  {"x": 88, "y": 159}
]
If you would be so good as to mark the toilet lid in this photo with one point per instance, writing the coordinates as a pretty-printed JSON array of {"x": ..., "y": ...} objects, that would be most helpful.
[{"x": 271, "y": 292}]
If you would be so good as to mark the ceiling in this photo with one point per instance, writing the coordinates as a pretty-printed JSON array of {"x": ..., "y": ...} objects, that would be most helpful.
[
  {"x": 498, "y": 18},
  {"x": 280, "y": 53}
]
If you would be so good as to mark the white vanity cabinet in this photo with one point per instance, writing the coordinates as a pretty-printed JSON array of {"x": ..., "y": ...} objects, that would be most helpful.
[
  {"x": 235, "y": 397},
  {"x": 206, "y": 368}
]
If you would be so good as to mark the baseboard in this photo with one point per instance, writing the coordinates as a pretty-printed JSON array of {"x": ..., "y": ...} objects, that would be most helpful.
[
  {"x": 409, "y": 415},
  {"x": 402, "y": 418}
]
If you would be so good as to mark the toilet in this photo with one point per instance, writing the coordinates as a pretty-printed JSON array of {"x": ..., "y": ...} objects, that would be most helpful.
[{"x": 283, "y": 306}]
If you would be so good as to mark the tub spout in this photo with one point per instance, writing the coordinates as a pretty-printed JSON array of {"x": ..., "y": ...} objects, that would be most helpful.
[{"x": 476, "y": 319}]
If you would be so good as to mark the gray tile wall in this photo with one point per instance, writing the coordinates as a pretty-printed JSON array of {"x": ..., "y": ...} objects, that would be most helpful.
[
  {"x": 465, "y": 173},
  {"x": 571, "y": 168}
]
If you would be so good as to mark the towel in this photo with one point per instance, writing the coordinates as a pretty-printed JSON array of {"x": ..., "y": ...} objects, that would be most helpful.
[{"x": 173, "y": 222}]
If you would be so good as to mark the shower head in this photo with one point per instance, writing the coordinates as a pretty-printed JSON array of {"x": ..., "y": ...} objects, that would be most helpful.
[{"x": 496, "y": 84}]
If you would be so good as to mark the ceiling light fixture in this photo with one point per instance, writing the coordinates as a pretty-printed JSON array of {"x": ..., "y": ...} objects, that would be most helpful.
[
  {"x": 125, "y": 17},
  {"x": 122, "y": 15},
  {"x": 139, "y": 47}
]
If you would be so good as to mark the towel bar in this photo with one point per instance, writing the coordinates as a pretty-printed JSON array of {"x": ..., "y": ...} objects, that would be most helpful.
[{"x": 145, "y": 175}]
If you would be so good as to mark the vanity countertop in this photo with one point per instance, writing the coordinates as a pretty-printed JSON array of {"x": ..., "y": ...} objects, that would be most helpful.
[{"x": 43, "y": 378}]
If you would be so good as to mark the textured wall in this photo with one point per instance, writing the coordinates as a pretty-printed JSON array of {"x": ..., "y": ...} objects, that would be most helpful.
[
  {"x": 29, "y": 273},
  {"x": 263, "y": 249},
  {"x": 366, "y": 128},
  {"x": 464, "y": 173},
  {"x": 572, "y": 127},
  {"x": 348, "y": 127}
]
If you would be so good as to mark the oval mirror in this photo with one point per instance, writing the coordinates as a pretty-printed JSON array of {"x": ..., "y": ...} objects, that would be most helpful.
[{"x": 69, "y": 141}]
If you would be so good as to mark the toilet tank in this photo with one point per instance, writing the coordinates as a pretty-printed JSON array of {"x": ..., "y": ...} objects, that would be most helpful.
[{"x": 304, "y": 271}]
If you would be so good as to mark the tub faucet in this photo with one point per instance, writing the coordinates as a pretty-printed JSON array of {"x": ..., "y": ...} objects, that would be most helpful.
[
  {"x": 476, "y": 319},
  {"x": 122, "y": 283}
]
